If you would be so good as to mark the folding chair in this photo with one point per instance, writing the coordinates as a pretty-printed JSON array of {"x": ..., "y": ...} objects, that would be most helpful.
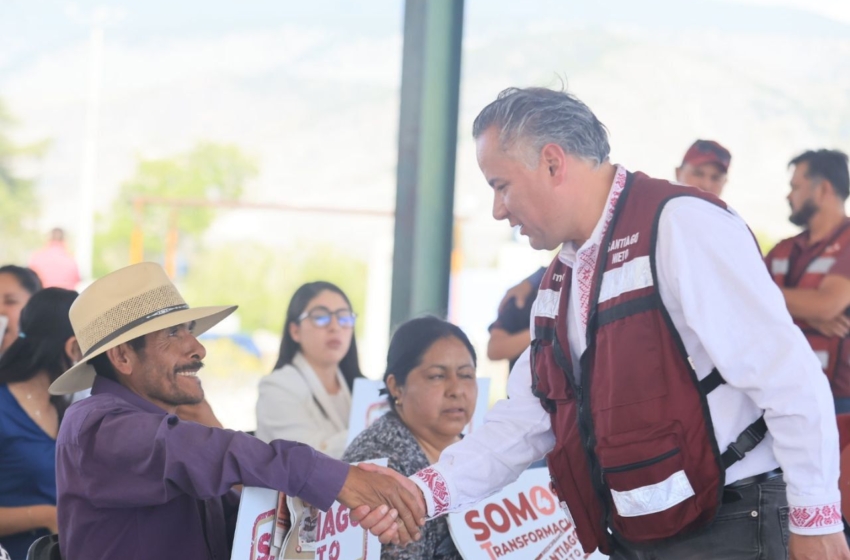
[{"x": 45, "y": 548}]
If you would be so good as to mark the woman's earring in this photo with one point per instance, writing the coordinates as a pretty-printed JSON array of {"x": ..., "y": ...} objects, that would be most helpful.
[{"x": 397, "y": 401}]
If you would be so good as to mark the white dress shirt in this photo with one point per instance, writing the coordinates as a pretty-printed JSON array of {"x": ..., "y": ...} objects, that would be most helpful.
[{"x": 730, "y": 315}]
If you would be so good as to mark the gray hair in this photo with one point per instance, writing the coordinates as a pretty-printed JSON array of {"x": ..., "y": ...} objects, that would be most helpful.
[{"x": 540, "y": 116}]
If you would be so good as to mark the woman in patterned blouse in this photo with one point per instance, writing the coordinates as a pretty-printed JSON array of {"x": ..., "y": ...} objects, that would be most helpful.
[{"x": 430, "y": 377}]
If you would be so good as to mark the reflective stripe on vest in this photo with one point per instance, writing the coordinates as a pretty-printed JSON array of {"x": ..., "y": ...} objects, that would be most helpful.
[
  {"x": 633, "y": 275},
  {"x": 546, "y": 304},
  {"x": 653, "y": 498},
  {"x": 820, "y": 265},
  {"x": 823, "y": 358},
  {"x": 779, "y": 266}
]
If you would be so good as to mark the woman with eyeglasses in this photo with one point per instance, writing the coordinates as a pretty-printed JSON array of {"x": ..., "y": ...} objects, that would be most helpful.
[{"x": 307, "y": 397}]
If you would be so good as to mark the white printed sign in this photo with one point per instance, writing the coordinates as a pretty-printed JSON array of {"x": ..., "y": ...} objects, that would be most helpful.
[
  {"x": 339, "y": 538},
  {"x": 270, "y": 528},
  {"x": 332, "y": 535},
  {"x": 522, "y": 522},
  {"x": 255, "y": 525},
  {"x": 368, "y": 404}
]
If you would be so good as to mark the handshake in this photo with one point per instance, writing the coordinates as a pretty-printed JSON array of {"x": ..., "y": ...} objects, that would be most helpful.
[{"x": 385, "y": 502}]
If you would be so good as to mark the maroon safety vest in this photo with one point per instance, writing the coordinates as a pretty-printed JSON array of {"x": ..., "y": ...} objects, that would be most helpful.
[
  {"x": 833, "y": 353},
  {"x": 635, "y": 450}
]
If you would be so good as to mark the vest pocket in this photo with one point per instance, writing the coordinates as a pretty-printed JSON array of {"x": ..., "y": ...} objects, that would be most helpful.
[
  {"x": 548, "y": 380},
  {"x": 651, "y": 496},
  {"x": 631, "y": 354}
]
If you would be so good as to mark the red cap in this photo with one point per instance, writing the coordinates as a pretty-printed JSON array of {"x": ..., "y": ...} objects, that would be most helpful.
[{"x": 708, "y": 151}]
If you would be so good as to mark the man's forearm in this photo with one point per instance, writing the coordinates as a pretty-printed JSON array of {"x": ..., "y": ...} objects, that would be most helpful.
[
  {"x": 506, "y": 346},
  {"x": 27, "y": 518},
  {"x": 811, "y": 304},
  {"x": 516, "y": 432}
]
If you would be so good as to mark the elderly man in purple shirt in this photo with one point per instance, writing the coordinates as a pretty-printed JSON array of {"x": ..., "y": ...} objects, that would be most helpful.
[{"x": 136, "y": 481}]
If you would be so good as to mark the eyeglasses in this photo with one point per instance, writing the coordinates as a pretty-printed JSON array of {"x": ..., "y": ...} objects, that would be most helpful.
[{"x": 321, "y": 317}]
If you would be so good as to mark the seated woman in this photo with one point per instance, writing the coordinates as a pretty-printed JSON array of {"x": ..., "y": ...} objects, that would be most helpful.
[
  {"x": 30, "y": 417},
  {"x": 307, "y": 397},
  {"x": 430, "y": 377}
]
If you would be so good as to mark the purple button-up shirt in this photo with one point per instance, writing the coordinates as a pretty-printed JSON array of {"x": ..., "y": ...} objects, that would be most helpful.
[{"x": 135, "y": 482}]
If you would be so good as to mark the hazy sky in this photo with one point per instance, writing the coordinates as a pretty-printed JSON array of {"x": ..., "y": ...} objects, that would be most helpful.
[
  {"x": 285, "y": 80},
  {"x": 33, "y": 27},
  {"x": 835, "y": 9}
]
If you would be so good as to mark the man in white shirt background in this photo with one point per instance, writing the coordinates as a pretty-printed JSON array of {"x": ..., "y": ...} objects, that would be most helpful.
[{"x": 545, "y": 155}]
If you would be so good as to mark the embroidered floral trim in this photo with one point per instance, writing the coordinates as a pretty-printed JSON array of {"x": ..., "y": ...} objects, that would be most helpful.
[
  {"x": 811, "y": 517},
  {"x": 438, "y": 487},
  {"x": 586, "y": 260}
]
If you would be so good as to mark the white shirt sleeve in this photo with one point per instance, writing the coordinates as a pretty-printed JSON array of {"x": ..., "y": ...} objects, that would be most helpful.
[
  {"x": 515, "y": 433},
  {"x": 708, "y": 262}
]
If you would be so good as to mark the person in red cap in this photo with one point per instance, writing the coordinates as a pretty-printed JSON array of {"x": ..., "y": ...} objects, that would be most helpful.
[{"x": 705, "y": 166}]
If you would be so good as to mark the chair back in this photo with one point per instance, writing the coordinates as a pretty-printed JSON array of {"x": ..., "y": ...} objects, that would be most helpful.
[{"x": 45, "y": 548}]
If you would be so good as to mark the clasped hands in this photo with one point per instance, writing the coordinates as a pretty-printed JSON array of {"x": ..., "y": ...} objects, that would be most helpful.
[{"x": 384, "y": 502}]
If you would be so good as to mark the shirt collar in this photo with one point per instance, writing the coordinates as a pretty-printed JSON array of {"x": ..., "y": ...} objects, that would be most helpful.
[
  {"x": 300, "y": 363},
  {"x": 802, "y": 241},
  {"x": 568, "y": 252},
  {"x": 106, "y": 386}
]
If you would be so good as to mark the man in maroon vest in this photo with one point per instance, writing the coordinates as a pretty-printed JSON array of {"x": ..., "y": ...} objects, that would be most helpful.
[
  {"x": 666, "y": 383},
  {"x": 813, "y": 268}
]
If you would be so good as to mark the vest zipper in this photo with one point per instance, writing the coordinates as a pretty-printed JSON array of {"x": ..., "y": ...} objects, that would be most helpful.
[
  {"x": 585, "y": 422},
  {"x": 585, "y": 415},
  {"x": 641, "y": 464}
]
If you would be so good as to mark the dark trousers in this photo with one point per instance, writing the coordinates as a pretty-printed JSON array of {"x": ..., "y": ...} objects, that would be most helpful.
[
  {"x": 754, "y": 527},
  {"x": 842, "y": 405}
]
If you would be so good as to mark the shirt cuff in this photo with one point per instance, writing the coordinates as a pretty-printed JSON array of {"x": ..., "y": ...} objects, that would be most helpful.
[
  {"x": 325, "y": 482},
  {"x": 820, "y": 517},
  {"x": 435, "y": 489}
]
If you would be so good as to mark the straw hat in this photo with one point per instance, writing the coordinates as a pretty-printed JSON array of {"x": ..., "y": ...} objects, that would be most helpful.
[{"x": 129, "y": 303}]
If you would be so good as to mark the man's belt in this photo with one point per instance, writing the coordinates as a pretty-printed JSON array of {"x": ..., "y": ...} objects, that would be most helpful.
[
  {"x": 757, "y": 479},
  {"x": 731, "y": 494}
]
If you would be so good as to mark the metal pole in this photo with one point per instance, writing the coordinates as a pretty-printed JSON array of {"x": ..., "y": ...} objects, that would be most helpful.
[
  {"x": 408, "y": 159},
  {"x": 433, "y": 31},
  {"x": 137, "y": 237},
  {"x": 171, "y": 245},
  {"x": 85, "y": 232}
]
